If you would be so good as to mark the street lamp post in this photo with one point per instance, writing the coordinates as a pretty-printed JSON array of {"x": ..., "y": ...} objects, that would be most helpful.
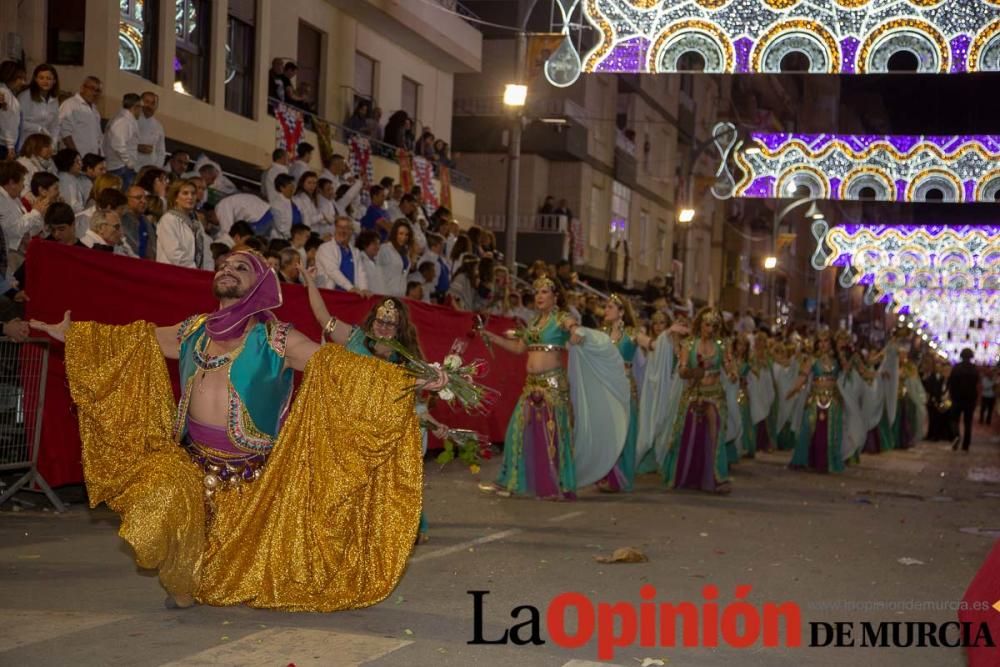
[{"x": 514, "y": 153}]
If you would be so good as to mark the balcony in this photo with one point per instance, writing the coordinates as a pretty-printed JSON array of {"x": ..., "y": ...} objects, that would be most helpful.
[
  {"x": 545, "y": 237},
  {"x": 554, "y": 128},
  {"x": 434, "y": 31}
]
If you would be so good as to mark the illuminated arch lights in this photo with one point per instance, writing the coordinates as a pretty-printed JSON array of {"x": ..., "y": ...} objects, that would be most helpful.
[{"x": 961, "y": 168}]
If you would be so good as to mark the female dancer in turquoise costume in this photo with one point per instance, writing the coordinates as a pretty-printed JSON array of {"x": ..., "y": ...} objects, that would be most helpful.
[
  {"x": 620, "y": 325},
  {"x": 744, "y": 445},
  {"x": 820, "y": 437},
  {"x": 538, "y": 450},
  {"x": 545, "y": 454},
  {"x": 696, "y": 457},
  {"x": 387, "y": 320}
]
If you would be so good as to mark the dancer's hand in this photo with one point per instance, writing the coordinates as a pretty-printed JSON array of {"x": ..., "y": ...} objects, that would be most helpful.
[
  {"x": 57, "y": 331},
  {"x": 309, "y": 275},
  {"x": 438, "y": 383}
]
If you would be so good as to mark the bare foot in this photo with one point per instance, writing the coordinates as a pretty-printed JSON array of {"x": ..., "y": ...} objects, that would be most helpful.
[{"x": 178, "y": 602}]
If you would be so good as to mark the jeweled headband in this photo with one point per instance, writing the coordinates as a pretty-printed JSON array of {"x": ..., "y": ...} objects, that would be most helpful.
[
  {"x": 617, "y": 300},
  {"x": 712, "y": 317},
  {"x": 543, "y": 282},
  {"x": 387, "y": 312}
]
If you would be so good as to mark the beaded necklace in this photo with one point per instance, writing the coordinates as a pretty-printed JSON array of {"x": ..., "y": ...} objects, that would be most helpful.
[{"x": 207, "y": 363}]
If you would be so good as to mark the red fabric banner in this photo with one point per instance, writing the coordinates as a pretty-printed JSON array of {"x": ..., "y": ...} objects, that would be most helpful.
[
  {"x": 444, "y": 175},
  {"x": 405, "y": 160},
  {"x": 118, "y": 290}
]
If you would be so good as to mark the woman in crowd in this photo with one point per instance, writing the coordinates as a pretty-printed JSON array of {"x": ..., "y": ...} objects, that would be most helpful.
[
  {"x": 36, "y": 156},
  {"x": 696, "y": 457},
  {"x": 464, "y": 289},
  {"x": 180, "y": 237},
  {"x": 306, "y": 197},
  {"x": 40, "y": 104},
  {"x": 69, "y": 166},
  {"x": 155, "y": 182},
  {"x": 12, "y": 79},
  {"x": 358, "y": 121},
  {"x": 543, "y": 457},
  {"x": 463, "y": 246},
  {"x": 622, "y": 328},
  {"x": 393, "y": 258}
]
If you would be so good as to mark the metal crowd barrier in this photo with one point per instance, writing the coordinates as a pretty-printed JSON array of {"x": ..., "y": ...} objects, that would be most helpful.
[{"x": 23, "y": 372}]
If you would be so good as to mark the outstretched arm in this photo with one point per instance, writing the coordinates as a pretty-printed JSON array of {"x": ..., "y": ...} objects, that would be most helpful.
[
  {"x": 333, "y": 329},
  {"x": 298, "y": 350},
  {"x": 166, "y": 337},
  {"x": 517, "y": 346}
]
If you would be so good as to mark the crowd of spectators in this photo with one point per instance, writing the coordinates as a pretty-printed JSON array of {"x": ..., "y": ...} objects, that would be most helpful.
[{"x": 116, "y": 190}]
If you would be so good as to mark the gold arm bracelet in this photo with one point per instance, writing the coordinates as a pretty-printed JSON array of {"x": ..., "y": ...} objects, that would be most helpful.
[{"x": 331, "y": 326}]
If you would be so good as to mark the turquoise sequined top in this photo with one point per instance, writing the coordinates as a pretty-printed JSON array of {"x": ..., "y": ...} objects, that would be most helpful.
[
  {"x": 260, "y": 385},
  {"x": 715, "y": 363},
  {"x": 548, "y": 332},
  {"x": 819, "y": 372},
  {"x": 627, "y": 346}
]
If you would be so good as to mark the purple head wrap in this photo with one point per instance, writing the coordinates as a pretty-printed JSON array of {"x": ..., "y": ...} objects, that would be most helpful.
[{"x": 264, "y": 296}]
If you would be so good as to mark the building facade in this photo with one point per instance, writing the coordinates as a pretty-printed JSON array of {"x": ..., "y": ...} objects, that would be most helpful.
[{"x": 208, "y": 60}]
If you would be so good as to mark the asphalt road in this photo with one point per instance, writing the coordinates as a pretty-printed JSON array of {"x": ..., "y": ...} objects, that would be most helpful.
[{"x": 901, "y": 530}]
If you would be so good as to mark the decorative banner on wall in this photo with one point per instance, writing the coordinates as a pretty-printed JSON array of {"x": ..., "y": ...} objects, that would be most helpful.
[
  {"x": 961, "y": 168},
  {"x": 289, "y": 127},
  {"x": 360, "y": 161},
  {"x": 405, "y": 160},
  {"x": 423, "y": 175},
  {"x": 444, "y": 175},
  {"x": 945, "y": 281},
  {"x": 324, "y": 136},
  {"x": 751, "y": 36}
]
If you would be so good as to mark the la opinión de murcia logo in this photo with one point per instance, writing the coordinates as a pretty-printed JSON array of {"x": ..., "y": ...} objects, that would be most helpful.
[{"x": 705, "y": 624}]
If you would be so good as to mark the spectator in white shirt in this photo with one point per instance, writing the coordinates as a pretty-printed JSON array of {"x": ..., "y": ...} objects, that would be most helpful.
[
  {"x": 180, "y": 238},
  {"x": 121, "y": 140},
  {"x": 394, "y": 258},
  {"x": 106, "y": 234},
  {"x": 339, "y": 265},
  {"x": 152, "y": 140},
  {"x": 12, "y": 80},
  {"x": 409, "y": 210},
  {"x": 284, "y": 212},
  {"x": 300, "y": 166},
  {"x": 15, "y": 222},
  {"x": 79, "y": 119},
  {"x": 246, "y": 207},
  {"x": 108, "y": 197},
  {"x": 40, "y": 104},
  {"x": 44, "y": 185},
  {"x": 279, "y": 165},
  {"x": 306, "y": 198},
  {"x": 369, "y": 245},
  {"x": 178, "y": 164},
  {"x": 36, "y": 156},
  {"x": 336, "y": 170},
  {"x": 426, "y": 271},
  {"x": 69, "y": 166}
]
